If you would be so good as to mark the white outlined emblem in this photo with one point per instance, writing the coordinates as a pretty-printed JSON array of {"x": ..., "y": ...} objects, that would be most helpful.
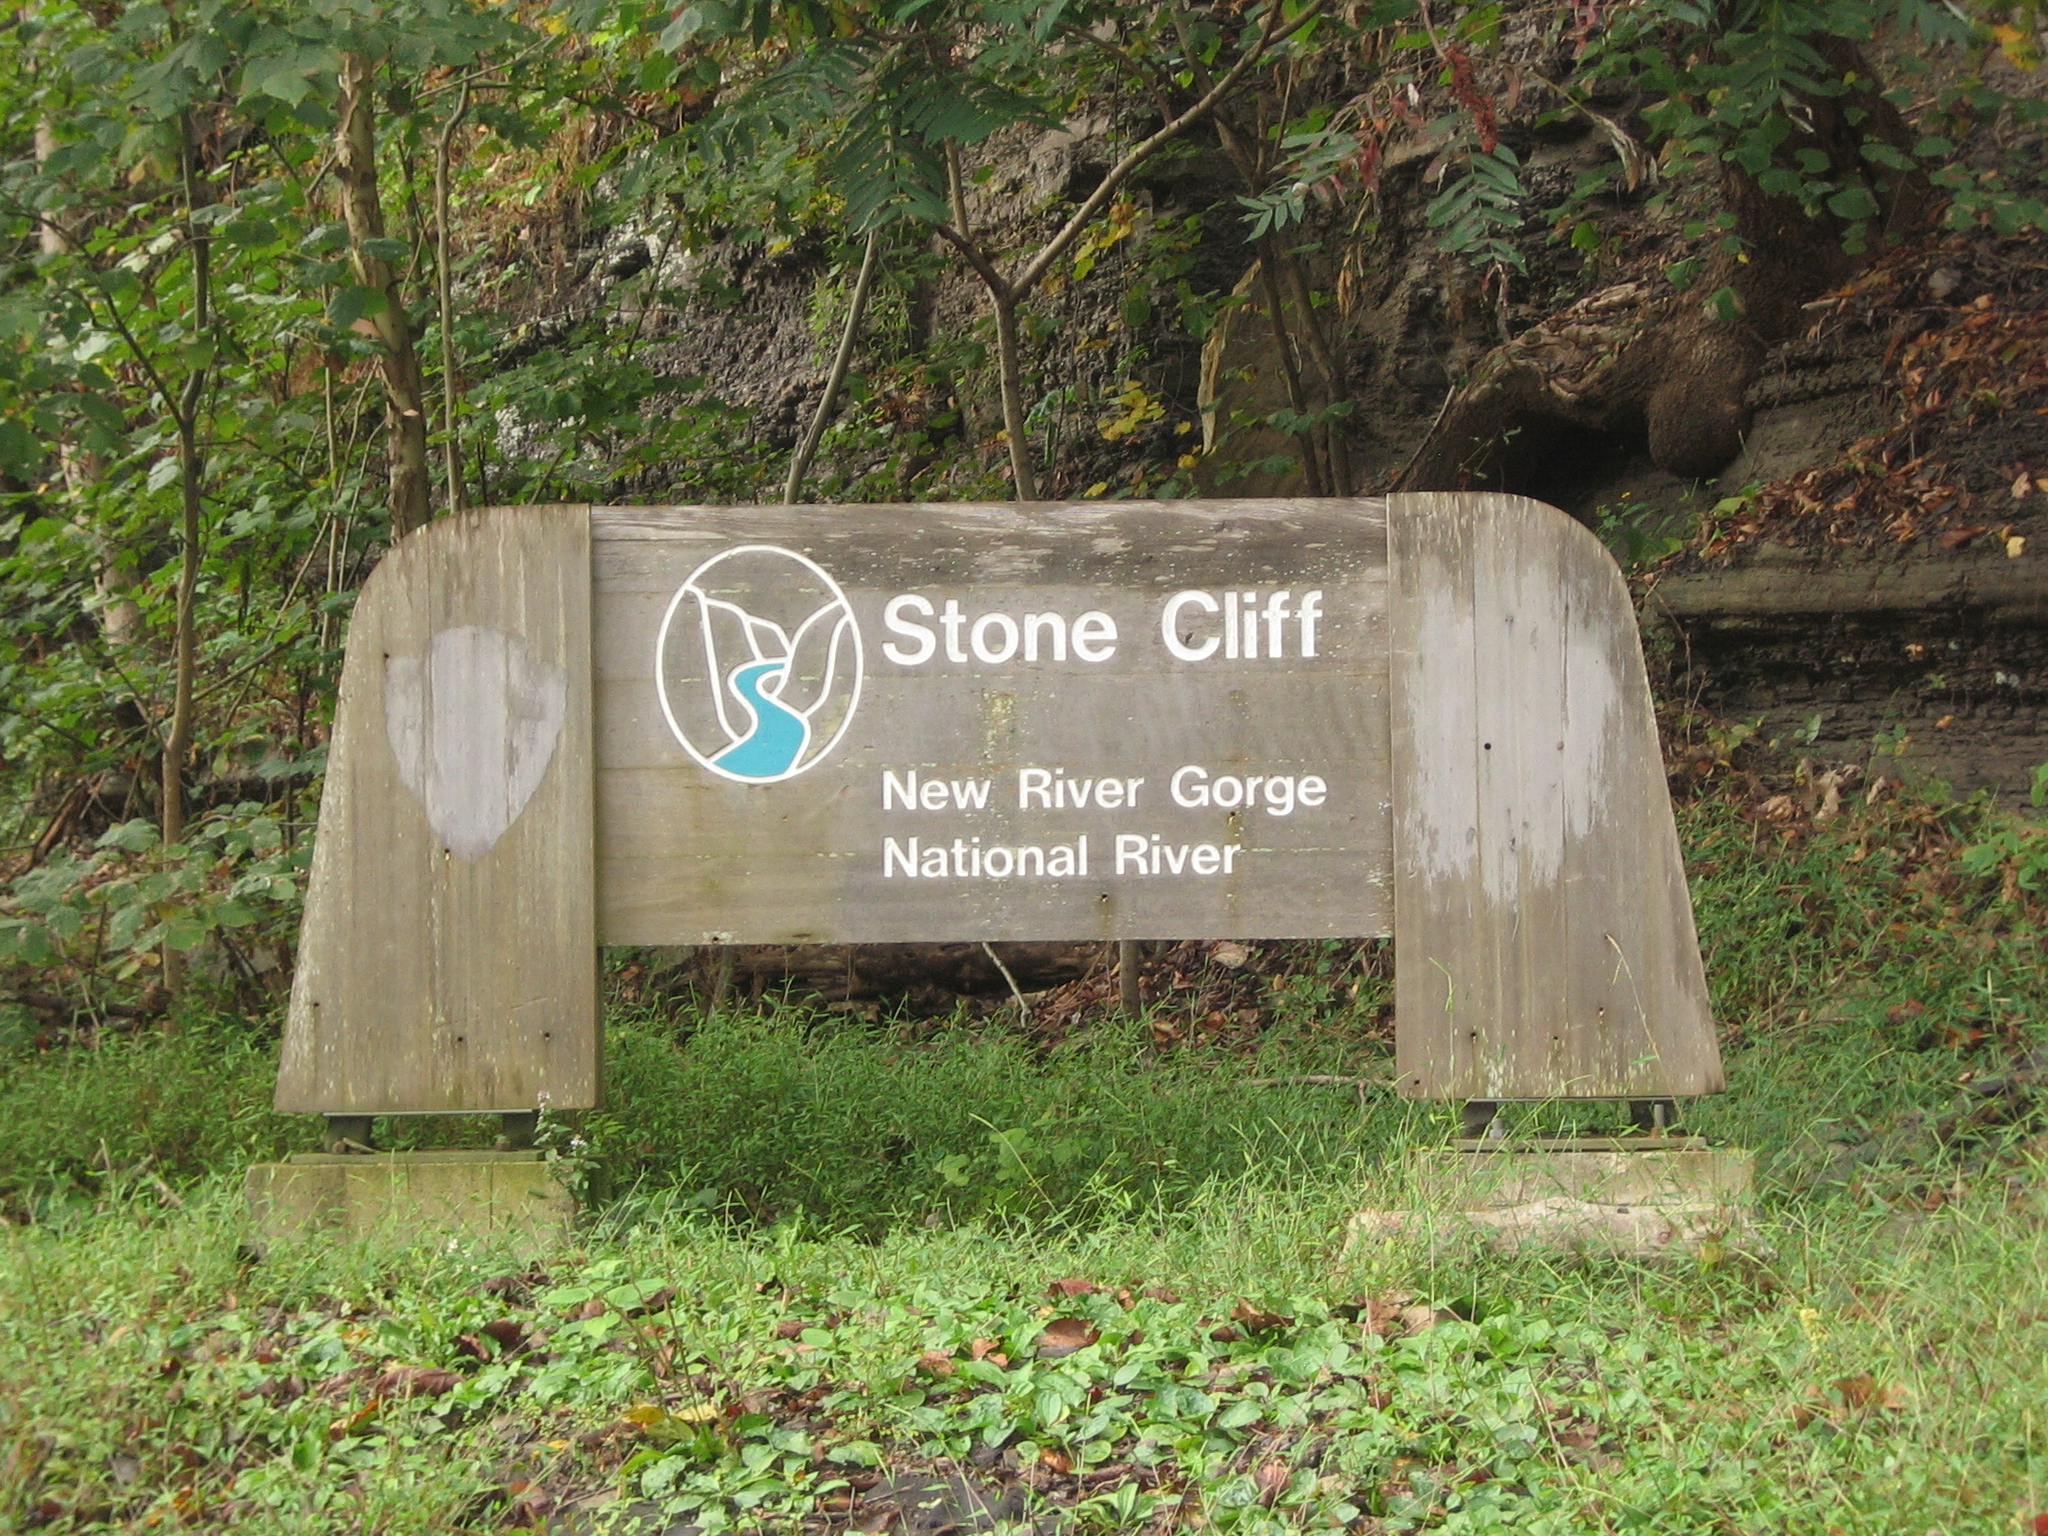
[{"x": 758, "y": 664}]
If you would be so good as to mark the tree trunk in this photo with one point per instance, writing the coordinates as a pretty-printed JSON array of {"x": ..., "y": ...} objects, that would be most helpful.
[
  {"x": 405, "y": 395},
  {"x": 451, "y": 442},
  {"x": 191, "y": 472},
  {"x": 1283, "y": 343},
  {"x": 1010, "y": 360},
  {"x": 856, "y": 307}
]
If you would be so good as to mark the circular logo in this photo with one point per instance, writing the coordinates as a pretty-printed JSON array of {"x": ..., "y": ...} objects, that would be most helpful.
[{"x": 758, "y": 664}]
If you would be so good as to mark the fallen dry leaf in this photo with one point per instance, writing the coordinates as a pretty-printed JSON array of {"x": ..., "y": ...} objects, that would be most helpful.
[
  {"x": 1063, "y": 1336},
  {"x": 936, "y": 1361},
  {"x": 1866, "y": 1392},
  {"x": 1073, "y": 1288},
  {"x": 1420, "y": 1318},
  {"x": 1258, "y": 1320},
  {"x": 653, "y": 1302},
  {"x": 1956, "y": 538},
  {"x": 1271, "y": 1479},
  {"x": 1056, "y": 1459}
]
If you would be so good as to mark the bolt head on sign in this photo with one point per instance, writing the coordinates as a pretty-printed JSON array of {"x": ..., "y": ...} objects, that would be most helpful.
[{"x": 955, "y": 721}]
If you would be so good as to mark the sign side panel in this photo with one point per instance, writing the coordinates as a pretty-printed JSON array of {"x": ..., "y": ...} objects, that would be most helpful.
[
  {"x": 448, "y": 958},
  {"x": 1546, "y": 941}
]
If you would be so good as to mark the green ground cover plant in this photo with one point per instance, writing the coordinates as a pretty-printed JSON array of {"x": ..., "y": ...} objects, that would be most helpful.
[{"x": 833, "y": 1266}]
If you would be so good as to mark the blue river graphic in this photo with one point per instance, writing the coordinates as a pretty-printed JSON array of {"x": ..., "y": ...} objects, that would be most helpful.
[{"x": 779, "y": 735}]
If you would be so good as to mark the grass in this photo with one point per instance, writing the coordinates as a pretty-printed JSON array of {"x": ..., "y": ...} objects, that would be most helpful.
[
  {"x": 825, "y": 1268},
  {"x": 1858, "y": 1373}
]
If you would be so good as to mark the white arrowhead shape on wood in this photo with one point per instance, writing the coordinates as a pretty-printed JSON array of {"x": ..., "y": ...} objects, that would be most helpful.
[{"x": 473, "y": 725}]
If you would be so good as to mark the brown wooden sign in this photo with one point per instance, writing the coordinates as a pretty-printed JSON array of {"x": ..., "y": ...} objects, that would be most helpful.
[
  {"x": 896, "y": 723},
  {"x": 567, "y": 726}
]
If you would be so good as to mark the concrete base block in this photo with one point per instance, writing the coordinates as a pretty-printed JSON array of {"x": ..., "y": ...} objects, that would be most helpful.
[
  {"x": 410, "y": 1197},
  {"x": 1674, "y": 1196}
]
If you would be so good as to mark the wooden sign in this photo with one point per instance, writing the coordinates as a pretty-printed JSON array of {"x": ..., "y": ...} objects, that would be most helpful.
[
  {"x": 987, "y": 722},
  {"x": 561, "y": 727}
]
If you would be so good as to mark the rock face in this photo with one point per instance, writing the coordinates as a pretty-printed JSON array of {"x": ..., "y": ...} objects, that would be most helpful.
[{"x": 1919, "y": 663}]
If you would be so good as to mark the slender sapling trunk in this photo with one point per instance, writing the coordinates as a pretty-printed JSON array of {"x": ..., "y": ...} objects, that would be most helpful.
[
  {"x": 800, "y": 463},
  {"x": 405, "y": 404}
]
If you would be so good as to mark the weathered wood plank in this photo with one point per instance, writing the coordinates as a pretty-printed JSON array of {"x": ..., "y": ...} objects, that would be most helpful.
[
  {"x": 449, "y": 952},
  {"x": 1545, "y": 939}
]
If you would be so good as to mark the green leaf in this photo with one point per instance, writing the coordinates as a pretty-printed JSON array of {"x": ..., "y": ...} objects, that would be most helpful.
[
  {"x": 355, "y": 302},
  {"x": 20, "y": 451},
  {"x": 137, "y": 836},
  {"x": 184, "y": 933},
  {"x": 1723, "y": 305}
]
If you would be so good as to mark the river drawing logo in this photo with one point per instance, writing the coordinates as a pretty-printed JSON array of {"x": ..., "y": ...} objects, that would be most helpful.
[{"x": 758, "y": 664}]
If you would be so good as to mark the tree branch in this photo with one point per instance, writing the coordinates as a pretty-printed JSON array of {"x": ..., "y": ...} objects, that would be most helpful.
[{"x": 1036, "y": 269}]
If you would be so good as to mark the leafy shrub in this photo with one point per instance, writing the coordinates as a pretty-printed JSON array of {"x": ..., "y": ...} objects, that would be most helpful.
[
  {"x": 844, "y": 1124},
  {"x": 176, "y": 1105}
]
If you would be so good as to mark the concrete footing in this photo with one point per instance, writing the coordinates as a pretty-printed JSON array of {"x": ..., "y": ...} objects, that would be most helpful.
[
  {"x": 1667, "y": 1193},
  {"x": 410, "y": 1197}
]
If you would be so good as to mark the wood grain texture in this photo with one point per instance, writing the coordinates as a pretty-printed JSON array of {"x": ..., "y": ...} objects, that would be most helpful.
[
  {"x": 448, "y": 960},
  {"x": 1545, "y": 940}
]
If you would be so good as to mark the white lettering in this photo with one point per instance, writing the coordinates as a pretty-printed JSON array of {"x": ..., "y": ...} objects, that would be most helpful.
[
  {"x": 1050, "y": 623},
  {"x": 971, "y": 794},
  {"x": 1034, "y": 781},
  {"x": 988, "y": 654},
  {"x": 1193, "y": 789},
  {"x": 906, "y": 791},
  {"x": 1130, "y": 854},
  {"x": 1311, "y": 610},
  {"x": 915, "y": 860},
  {"x": 892, "y": 617},
  {"x": 1276, "y": 613},
  {"x": 950, "y": 621},
  {"x": 1169, "y": 627},
  {"x": 1095, "y": 636}
]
